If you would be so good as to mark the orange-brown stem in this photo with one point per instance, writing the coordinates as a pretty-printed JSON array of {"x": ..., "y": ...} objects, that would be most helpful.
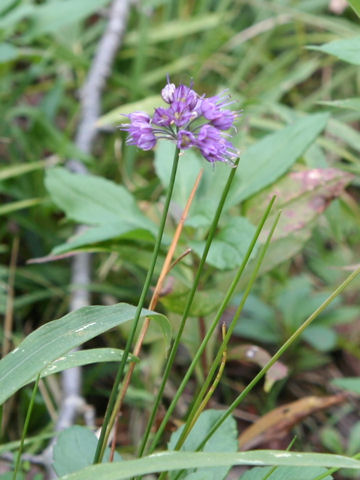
[{"x": 153, "y": 302}]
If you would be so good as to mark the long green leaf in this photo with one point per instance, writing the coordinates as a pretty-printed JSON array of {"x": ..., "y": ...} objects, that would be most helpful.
[
  {"x": 58, "y": 337},
  {"x": 271, "y": 157},
  {"x": 80, "y": 358},
  {"x": 20, "y": 169},
  {"x": 20, "y": 205},
  {"x": 355, "y": 5},
  {"x": 284, "y": 473},
  {"x": 346, "y": 49},
  {"x": 186, "y": 460},
  {"x": 349, "y": 103}
]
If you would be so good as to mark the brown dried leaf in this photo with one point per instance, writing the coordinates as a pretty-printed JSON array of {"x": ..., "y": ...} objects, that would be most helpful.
[
  {"x": 259, "y": 356},
  {"x": 277, "y": 423}
]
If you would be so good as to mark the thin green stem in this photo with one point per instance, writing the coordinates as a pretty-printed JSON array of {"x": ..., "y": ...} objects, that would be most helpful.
[
  {"x": 25, "y": 429},
  {"x": 190, "y": 298},
  {"x": 211, "y": 390},
  {"x": 333, "y": 470},
  {"x": 211, "y": 330},
  {"x": 228, "y": 335},
  {"x": 106, "y": 428},
  {"x": 279, "y": 353}
]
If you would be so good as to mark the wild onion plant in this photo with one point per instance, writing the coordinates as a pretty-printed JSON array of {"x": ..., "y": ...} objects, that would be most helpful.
[{"x": 205, "y": 446}]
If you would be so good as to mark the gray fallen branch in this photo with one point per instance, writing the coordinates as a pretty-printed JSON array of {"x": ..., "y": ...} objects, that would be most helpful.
[{"x": 90, "y": 102}]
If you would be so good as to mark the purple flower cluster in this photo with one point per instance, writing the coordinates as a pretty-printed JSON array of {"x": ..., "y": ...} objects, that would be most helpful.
[{"x": 190, "y": 121}]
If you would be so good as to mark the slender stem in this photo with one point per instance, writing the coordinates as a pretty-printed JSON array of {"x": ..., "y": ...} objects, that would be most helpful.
[
  {"x": 278, "y": 354},
  {"x": 211, "y": 330},
  {"x": 106, "y": 428},
  {"x": 228, "y": 335},
  {"x": 175, "y": 345},
  {"x": 25, "y": 429},
  {"x": 167, "y": 266},
  {"x": 212, "y": 387}
]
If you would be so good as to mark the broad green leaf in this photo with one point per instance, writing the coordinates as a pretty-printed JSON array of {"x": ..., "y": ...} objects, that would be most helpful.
[
  {"x": 5, "y": 4},
  {"x": 350, "y": 384},
  {"x": 346, "y": 49},
  {"x": 80, "y": 358},
  {"x": 301, "y": 196},
  {"x": 223, "y": 440},
  {"x": 169, "y": 461},
  {"x": 320, "y": 337},
  {"x": 16, "y": 15},
  {"x": 54, "y": 339},
  {"x": 282, "y": 249},
  {"x": 268, "y": 159},
  {"x": 285, "y": 473},
  {"x": 50, "y": 17},
  {"x": 229, "y": 246},
  {"x": 356, "y": 6},
  {"x": 75, "y": 449},
  {"x": 205, "y": 301},
  {"x": 8, "y": 52},
  {"x": 349, "y": 103},
  {"x": 102, "y": 233},
  {"x": 93, "y": 200},
  {"x": 188, "y": 169},
  {"x": 96, "y": 201},
  {"x": 258, "y": 321},
  {"x": 210, "y": 188},
  {"x": 332, "y": 440}
]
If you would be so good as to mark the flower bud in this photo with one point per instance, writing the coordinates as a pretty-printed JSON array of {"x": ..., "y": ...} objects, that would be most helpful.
[{"x": 167, "y": 92}]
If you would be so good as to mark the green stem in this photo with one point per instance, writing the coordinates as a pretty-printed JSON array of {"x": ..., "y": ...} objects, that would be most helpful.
[
  {"x": 223, "y": 346},
  {"x": 210, "y": 332},
  {"x": 25, "y": 429},
  {"x": 175, "y": 345},
  {"x": 333, "y": 470},
  {"x": 106, "y": 428},
  {"x": 278, "y": 354}
]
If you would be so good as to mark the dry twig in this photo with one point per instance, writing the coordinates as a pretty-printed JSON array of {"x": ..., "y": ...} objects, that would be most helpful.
[{"x": 72, "y": 402}]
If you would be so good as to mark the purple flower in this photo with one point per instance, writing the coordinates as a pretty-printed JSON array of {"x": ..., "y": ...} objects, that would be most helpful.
[
  {"x": 213, "y": 110},
  {"x": 190, "y": 120},
  {"x": 214, "y": 147},
  {"x": 185, "y": 140},
  {"x": 140, "y": 131},
  {"x": 163, "y": 117},
  {"x": 185, "y": 95},
  {"x": 182, "y": 114}
]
